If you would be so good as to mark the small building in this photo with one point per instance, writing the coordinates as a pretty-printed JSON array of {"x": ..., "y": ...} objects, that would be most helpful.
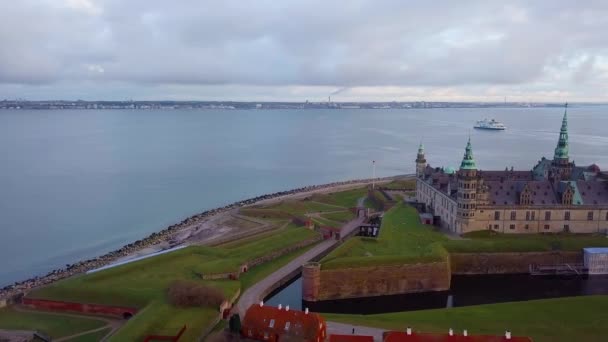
[
  {"x": 268, "y": 323},
  {"x": 596, "y": 260},
  {"x": 410, "y": 336},
  {"x": 350, "y": 338}
]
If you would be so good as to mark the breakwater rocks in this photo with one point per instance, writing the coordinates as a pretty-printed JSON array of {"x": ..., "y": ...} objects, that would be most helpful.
[{"x": 164, "y": 235}]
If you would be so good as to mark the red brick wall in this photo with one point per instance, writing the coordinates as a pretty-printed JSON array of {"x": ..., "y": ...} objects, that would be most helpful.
[
  {"x": 52, "y": 305},
  {"x": 380, "y": 280}
]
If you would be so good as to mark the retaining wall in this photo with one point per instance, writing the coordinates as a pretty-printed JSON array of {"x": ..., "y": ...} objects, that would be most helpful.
[
  {"x": 95, "y": 309},
  {"x": 374, "y": 281}
]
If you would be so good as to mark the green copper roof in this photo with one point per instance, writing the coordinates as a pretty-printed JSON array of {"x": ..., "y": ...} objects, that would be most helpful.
[
  {"x": 421, "y": 149},
  {"x": 449, "y": 170},
  {"x": 468, "y": 163},
  {"x": 561, "y": 151}
]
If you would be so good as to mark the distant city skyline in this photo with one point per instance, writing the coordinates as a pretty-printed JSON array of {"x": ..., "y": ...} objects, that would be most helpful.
[{"x": 356, "y": 51}]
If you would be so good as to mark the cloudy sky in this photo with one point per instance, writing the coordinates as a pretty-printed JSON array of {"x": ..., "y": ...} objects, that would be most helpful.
[{"x": 296, "y": 50}]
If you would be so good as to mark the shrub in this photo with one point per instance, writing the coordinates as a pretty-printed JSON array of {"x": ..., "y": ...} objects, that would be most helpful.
[{"x": 190, "y": 293}]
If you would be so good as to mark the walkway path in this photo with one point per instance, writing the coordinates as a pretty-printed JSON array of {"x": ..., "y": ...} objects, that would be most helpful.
[{"x": 254, "y": 294}]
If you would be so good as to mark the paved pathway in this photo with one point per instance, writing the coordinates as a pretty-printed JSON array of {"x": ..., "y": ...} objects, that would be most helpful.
[{"x": 253, "y": 295}]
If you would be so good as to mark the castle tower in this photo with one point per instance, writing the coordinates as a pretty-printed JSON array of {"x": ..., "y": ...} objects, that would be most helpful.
[
  {"x": 561, "y": 150},
  {"x": 561, "y": 166},
  {"x": 311, "y": 281},
  {"x": 420, "y": 162},
  {"x": 467, "y": 190}
]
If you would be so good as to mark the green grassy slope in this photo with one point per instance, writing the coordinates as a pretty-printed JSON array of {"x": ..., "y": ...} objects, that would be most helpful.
[
  {"x": 54, "y": 325},
  {"x": 549, "y": 320}
]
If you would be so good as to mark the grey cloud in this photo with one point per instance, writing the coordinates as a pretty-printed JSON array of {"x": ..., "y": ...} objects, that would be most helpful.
[{"x": 299, "y": 43}]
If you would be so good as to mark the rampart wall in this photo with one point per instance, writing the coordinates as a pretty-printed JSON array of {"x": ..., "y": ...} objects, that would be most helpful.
[
  {"x": 319, "y": 284},
  {"x": 95, "y": 309},
  {"x": 374, "y": 281}
]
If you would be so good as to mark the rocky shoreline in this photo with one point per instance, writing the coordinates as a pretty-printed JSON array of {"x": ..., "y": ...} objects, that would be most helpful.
[{"x": 153, "y": 239}]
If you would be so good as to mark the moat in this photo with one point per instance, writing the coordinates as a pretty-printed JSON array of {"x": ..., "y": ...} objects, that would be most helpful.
[{"x": 465, "y": 291}]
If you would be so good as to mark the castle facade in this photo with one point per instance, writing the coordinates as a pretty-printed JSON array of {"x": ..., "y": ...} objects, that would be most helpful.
[{"x": 554, "y": 196}]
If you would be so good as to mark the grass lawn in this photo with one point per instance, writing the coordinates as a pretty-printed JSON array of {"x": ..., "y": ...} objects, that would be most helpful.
[
  {"x": 399, "y": 184},
  {"x": 347, "y": 199},
  {"x": 92, "y": 337},
  {"x": 403, "y": 239},
  {"x": 53, "y": 325},
  {"x": 488, "y": 241},
  {"x": 548, "y": 320},
  {"x": 143, "y": 284},
  {"x": 325, "y": 222},
  {"x": 160, "y": 318},
  {"x": 342, "y": 216}
]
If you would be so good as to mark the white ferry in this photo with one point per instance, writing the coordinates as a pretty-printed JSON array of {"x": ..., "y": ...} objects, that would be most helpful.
[{"x": 490, "y": 124}]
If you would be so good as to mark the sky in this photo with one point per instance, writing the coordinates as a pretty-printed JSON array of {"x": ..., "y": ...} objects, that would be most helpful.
[{"x": 353, "y": 50}]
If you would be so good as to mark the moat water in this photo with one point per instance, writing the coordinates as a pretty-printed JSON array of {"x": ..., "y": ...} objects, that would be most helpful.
[
  {"x": 75, "y": 184},
  {"x": 465, "y": 291}
]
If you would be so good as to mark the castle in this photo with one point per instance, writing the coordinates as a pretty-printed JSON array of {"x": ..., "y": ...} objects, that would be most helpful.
[{"x": 555, "y": 196}]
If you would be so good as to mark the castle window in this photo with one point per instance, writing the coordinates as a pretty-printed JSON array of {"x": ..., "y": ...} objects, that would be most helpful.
[
  {"x": 527, "y": 216},
  {"x": 527, "y": 227},
  {"x": 567, "y": 216},
  {"x": 532, "y": 214},
  {"x": 497, "y": 215},
  {"x": 489, "y": 226},
  {"x": 512, "y": 226},
  {"x": 566, "y": 228},
  {"x": 496, "y": 226},
  {"x": 547, "y": 215},
  {"x": 546, "y": 227},
  {"x": 590, "y": 216},
  {"x": 513, "y": 215},
  {"x": 606, "y": 216}
]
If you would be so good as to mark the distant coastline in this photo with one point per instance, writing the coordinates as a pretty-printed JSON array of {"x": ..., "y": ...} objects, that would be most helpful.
[
  {"x": 231, "y": 105},
  {"x": 155, "y": 238}
]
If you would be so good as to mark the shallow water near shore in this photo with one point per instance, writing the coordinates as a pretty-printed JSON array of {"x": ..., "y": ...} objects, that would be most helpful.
[
  {"x": 75, "y": 184},
  {"x": 465, "y": 291}
]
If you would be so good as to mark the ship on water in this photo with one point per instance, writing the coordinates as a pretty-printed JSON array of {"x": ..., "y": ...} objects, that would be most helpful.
[{"x": 490, "y": 125}]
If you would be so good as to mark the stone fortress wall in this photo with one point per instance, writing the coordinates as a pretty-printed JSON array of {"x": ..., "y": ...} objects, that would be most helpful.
[{"x": 319, "y": 284}]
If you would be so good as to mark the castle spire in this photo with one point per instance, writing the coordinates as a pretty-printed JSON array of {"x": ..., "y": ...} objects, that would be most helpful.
[
  {"x": 468, "y": 163},
  {"x": 561, "y": 151},
  {"x": 420, "y": 161}
]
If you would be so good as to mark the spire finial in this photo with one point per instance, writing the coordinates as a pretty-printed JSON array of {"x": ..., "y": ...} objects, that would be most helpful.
[
  {"x": 468, "y": 162},
  {"x": 561, "y": 151}
]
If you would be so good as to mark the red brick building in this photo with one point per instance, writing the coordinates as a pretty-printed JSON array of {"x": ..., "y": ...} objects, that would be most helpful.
[
  {"x": 398, "y": 336},
  {"x": 267, "y": 323}
]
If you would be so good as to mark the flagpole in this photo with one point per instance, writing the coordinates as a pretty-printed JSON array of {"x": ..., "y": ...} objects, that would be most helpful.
[{"x": 373, "y": 174}]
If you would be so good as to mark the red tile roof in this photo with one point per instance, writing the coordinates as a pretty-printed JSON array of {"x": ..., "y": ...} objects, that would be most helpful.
[
  {"x": 397, "y": 336},
  {"x": 283, "y": 322},
  {"x": 350, "y": 338}
]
